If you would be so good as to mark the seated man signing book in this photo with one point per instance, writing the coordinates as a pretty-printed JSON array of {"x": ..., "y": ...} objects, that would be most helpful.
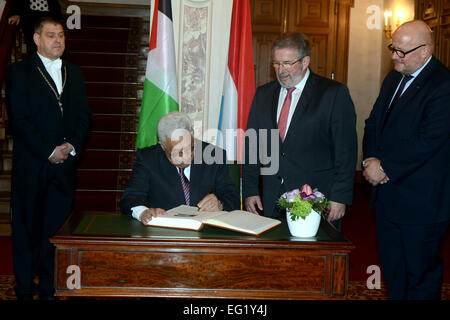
[{"x": 179, "y": 170}]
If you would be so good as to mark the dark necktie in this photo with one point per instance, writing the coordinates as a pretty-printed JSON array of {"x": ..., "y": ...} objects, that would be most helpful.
[
  {"x": 399, "y": 92},
  {"x": 185, "y": 185},
  {"x": 282, "y": 121}
]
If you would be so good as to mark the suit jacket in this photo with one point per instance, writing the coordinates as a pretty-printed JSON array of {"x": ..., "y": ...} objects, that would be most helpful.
[
  {"x": 38, "y": 125},
  {"x": 155, "y": 182},
  {"x": 319, "y": 148},
  {"x": 414, "y": 146}
]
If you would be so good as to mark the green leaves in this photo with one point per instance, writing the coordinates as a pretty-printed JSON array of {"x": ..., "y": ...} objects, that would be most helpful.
[{"x": 300, "y": 208}]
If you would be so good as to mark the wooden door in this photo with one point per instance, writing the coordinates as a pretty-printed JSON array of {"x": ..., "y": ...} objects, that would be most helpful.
[
  {"x": 444, "y": 33},
  {"x": 325, "y": 22},
  {"x": 436, "y": 13}
]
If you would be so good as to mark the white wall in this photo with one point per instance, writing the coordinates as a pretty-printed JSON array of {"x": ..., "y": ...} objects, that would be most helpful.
[
  {"x": 364, "y": 64},
  {"x": 369, "y": 59}
]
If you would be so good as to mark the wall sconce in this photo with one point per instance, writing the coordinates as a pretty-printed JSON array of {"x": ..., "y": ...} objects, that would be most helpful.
[{"x": 389, "y": 26}]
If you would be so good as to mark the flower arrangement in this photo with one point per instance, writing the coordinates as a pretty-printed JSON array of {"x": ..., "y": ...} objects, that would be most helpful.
[{"x": 300, "y": 202}]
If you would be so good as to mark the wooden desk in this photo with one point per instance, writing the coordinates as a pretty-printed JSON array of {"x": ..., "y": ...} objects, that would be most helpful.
[{"x": 118, "y": 256}]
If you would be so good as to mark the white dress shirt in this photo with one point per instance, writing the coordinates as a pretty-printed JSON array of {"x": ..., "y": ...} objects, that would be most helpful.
[
  {"x": 296, "y": 94},
  {"x": 53, "y": 68},
  {"x": 137, "y": 211}
]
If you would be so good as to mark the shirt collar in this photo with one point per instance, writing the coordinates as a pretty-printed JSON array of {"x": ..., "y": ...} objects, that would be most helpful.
[
  {"x": 48, "y": 63},
  {"x": 416, "y": 73},
  {"x": 302, "y": 83},
  {"x": 187, "y": 172},
  {"x": 299, "y": 86}
]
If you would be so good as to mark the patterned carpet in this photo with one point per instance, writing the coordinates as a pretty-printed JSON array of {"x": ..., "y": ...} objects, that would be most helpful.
[
  {"x": 357, "y": 290},
  {"x": 7, "y": 287}
]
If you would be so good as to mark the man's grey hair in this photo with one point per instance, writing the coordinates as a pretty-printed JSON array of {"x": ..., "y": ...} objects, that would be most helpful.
[
  {"x": 293, "y": 40},
  {"x": 171, "y": 122}
]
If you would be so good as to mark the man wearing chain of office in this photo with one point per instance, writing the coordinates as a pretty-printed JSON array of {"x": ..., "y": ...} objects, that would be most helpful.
[{"x": 49, "y": 119}]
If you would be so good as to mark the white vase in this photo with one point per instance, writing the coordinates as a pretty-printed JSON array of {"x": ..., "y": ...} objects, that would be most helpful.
[{"x": 304, "y": 228}]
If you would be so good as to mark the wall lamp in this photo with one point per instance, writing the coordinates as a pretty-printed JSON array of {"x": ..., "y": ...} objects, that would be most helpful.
[{"x": 389, "y": 25}]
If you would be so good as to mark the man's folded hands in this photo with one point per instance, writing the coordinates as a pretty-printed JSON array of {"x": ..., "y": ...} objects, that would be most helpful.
[{"x": 373, "y": 172}]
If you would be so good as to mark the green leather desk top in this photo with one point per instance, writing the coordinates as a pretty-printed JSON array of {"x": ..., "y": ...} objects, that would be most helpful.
[{"x": 118, "y": 225}]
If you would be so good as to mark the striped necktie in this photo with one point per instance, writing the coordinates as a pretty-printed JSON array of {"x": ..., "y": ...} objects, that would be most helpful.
[{"x": 185, "y": 185}]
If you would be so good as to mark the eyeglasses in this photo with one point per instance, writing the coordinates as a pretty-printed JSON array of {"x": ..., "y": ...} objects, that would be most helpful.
[
  {"x": 401, "y": 53},
  {"x": 285, "y": 65}
]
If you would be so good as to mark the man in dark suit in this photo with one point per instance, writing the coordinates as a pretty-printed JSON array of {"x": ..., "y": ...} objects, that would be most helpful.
[
  {"x": 49, "y": 119},
  {"x": 407, "y": 160},
  {"x": 317, "y": 141},
  {"x": 28, "y": 12},
  {"x": 178, "y": 170}
]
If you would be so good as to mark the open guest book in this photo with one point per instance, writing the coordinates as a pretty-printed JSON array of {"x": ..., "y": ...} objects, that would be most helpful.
[{"x": 186, "y": 217}]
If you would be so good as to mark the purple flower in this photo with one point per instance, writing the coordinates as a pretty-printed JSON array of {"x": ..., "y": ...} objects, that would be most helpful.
[
  {"x": 306, "y": 197},
  {"x": 289, "y": 196},
  {"x": 319, "y": 194}
]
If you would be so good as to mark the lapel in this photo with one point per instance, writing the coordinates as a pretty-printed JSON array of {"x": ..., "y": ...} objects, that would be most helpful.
[
  {"x": 170, "y": 174},
  {"x": 275, "y": 98},
  {"x": 199, "y": 171},
  {"x": 65, "y": 82},
  {"x": 301, "y": 108},
  {"x": 39, "y": 64},
  {"x": 406, "y": 99},
  {"x": 303, "y": 103},
  {"x": 42, "y": 72},
  {"x": 194, "y": 183},
  {"x": 387, "y": 97}
]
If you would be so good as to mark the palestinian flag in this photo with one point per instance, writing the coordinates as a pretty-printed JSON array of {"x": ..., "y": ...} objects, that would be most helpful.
[{"x": 160, "y": 87}]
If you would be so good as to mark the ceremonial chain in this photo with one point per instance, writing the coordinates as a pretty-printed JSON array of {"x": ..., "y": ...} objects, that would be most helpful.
[{"x": 58, "y": 96}]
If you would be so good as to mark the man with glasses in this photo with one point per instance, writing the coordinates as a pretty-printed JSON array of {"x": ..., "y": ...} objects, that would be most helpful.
[
  {"x": 407, "y": 159},
  {"x": 317, "y": 141}
]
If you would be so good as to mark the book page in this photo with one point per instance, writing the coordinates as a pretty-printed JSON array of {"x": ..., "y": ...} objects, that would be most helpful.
[
  {"x": 190, "y": 212},
  {"x": 187, "y": 217},
  {"x": 243, "y": 221},
  {"x": 182, "y": 217}
]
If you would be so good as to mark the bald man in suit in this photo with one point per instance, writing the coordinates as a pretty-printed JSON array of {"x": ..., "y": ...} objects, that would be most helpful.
[{"x": 407, "y": 160}]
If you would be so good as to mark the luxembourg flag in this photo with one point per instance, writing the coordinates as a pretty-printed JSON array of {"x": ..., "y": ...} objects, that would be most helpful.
[
  {"x": 160, "y": 86},
  {"x": 239, "y": 82}
]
